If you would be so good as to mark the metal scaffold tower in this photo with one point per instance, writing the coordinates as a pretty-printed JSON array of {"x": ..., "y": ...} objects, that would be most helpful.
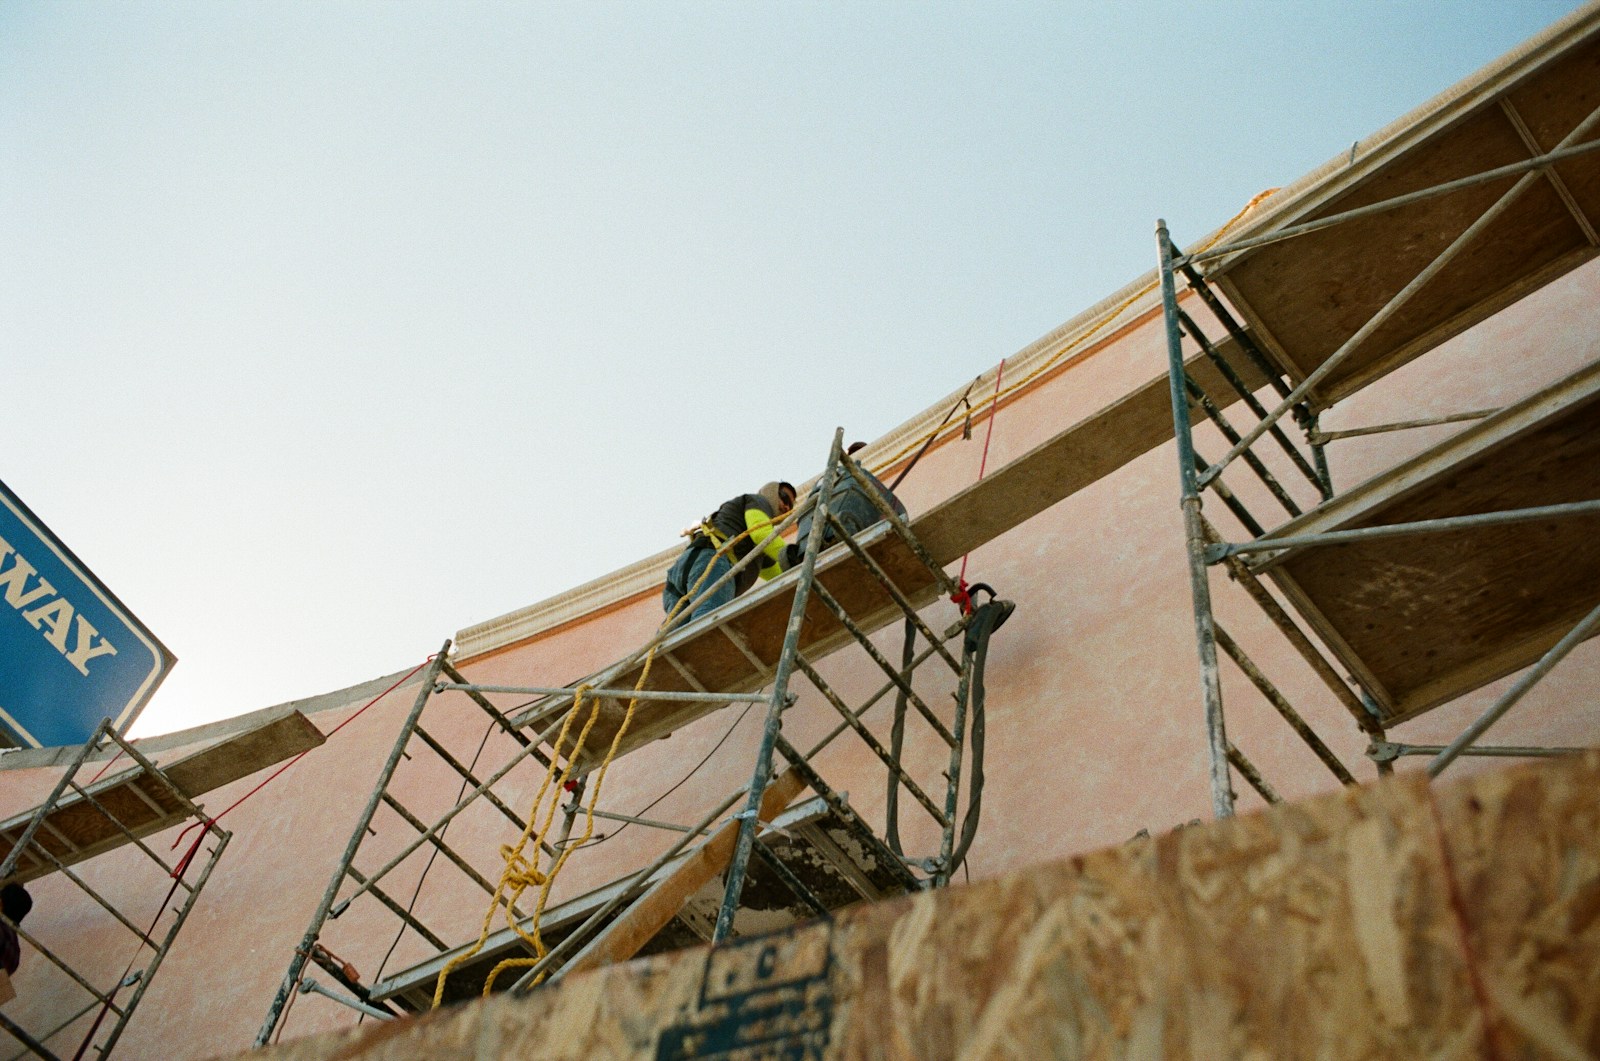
[
  {"x": 85, "y": 1000},
  {"x": 1460, "y": 565},
  {"x": 760, "y": 857}
]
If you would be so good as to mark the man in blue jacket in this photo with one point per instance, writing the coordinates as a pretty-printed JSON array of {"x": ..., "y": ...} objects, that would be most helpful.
[{"x": 738, "y": 526}]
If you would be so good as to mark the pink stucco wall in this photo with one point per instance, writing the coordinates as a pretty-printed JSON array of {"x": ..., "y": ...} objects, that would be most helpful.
[{"x": 1094, "y": 723}]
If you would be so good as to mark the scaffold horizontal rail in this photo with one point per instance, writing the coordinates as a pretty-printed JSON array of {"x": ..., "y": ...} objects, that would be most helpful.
[{"x": 1306, "y": 297}]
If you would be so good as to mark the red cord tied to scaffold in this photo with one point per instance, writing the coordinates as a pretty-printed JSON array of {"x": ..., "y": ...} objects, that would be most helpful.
[
  {"x": 188, "y": 856},
  {"x": 962, "y": 597},
  {"x": 211, "y": 823}
]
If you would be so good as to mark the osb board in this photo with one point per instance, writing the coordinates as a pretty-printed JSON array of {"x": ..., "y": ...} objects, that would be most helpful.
[
  {"x": 1307, "y": 295},
  {"x": 708, "y": 651},
  {"x": 1526, "y": 861},
  {"x": 1425, "y": 619},
  {"x": 1078, "y": 456},
  {"x": 1325, "y": 929},
  {"x": 76, "y": 829}
]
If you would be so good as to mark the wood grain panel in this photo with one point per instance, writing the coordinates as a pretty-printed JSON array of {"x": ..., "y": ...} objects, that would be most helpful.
[
  {"x": 1527, "y": 869},
  {"x": 1426, "y": 619}
]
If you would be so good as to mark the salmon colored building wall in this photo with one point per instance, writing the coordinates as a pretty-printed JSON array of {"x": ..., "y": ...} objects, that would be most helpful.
[{"x": 1094, "y": 726}]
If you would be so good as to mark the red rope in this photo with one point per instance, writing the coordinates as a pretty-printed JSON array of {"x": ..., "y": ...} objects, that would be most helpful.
[
  {"x": 210, "y": 823},
  {"x": 111, "y": 998},
  {"x": 960, "y": 597},
  {"x": 106, "y": 767}
]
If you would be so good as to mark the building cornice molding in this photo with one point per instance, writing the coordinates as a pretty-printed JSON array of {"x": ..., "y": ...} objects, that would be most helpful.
[{"x": 513, "y": 628}]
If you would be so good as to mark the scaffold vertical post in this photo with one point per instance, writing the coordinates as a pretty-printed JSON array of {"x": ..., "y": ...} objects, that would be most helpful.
[
  {"x": 1195, "y": 539},
  {"x": 26, "y": 838},
  {"x": 302, "y": 953},
  {"x": 762, "y": 773}
]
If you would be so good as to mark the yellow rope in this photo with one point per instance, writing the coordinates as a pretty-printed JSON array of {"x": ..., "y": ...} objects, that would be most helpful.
[
  {"x": 519, "y": 873},
  {"x": 1077, "y": 343},
  {"x": 518, "y": 870},
  {"x": 534, "y": 938}
]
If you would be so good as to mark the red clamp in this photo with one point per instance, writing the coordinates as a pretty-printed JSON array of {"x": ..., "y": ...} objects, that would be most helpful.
[{"x": 570, "y": 786}]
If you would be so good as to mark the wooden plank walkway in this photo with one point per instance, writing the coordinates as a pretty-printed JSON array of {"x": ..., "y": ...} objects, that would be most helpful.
[
  {"x": 76, "y": 829},
  {"x": 1422, "y": 620}
]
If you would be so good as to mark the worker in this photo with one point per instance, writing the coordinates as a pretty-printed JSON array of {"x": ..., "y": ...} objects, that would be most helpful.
[
  {"x": 850, "y": 505},
  {"x": 15, "y": 902},
  {"x": 747, "y": 522}
]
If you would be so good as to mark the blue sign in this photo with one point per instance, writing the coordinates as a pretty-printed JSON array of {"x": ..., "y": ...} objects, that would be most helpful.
[{"x": 70, "y": 653}]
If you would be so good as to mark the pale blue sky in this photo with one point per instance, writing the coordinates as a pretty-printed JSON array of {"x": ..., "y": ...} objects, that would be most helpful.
[{"x": 330, "y": 328}]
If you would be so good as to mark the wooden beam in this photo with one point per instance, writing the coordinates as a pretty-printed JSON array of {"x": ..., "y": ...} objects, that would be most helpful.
[
  {"x": 143, "y": 805},
  {"x": 650, "y": 913},
  {"x": 1082, "y": 454}
]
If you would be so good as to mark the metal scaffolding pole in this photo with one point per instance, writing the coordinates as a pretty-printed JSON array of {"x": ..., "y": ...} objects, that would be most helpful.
[
  {"x": 629, "y": 915},
  {"x": 762, "y": 774},
  {"x": 84, "y": 803},
  {"x": 1400, "y": 298},
  {"x": 1195, "y": 537},
  {"x": 302, "y": 953},
  {"x": 1479, "y": 727}
]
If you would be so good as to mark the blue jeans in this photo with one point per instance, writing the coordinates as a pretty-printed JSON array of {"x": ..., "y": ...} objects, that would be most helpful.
[{"x": 685, "y": 574}]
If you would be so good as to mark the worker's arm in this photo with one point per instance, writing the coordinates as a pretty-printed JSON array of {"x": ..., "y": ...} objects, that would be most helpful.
[{"x": 765, "y": 538}]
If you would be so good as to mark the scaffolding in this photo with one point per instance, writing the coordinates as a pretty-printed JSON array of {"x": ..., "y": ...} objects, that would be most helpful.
[
  {"x": 77, "y": 822},
  {"x": 1453, "y": 568},
  {"x": 758, "y": 859}
]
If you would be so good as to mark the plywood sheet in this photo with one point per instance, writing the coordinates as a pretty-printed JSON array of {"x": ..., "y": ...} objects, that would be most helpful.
[
  {"x": 76, "y": 829},
  {"x": 1325, "y": 929},
  {"x": 1422, "y": 620},
  {"x": 1527, "y": 868},
  {"x": 1306, "y": 296}
]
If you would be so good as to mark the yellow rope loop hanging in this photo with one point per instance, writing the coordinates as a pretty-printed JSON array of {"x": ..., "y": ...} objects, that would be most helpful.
[
  {"x": 520, "y": 873},
  {"x": 588, "y": 832},
  {"x": 534, "y": 938},
  {"x": 546, "y": 880}
]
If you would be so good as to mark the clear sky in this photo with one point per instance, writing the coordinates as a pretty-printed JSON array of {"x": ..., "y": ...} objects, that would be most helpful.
[{"x": 330, "y": 328}]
